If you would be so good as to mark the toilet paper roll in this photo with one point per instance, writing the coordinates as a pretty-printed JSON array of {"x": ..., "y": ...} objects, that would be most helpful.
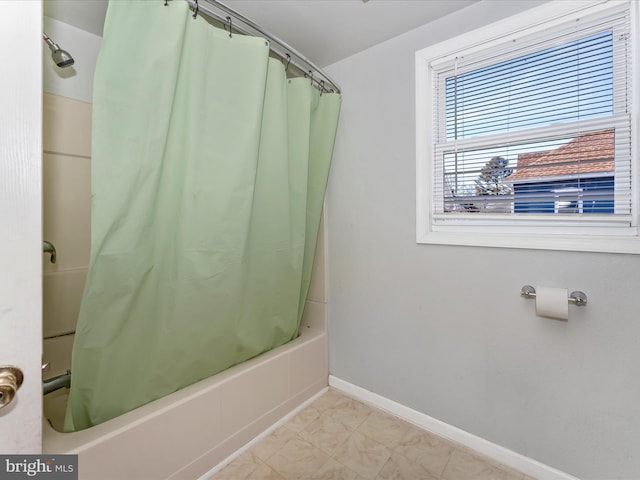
[{"x": 552, "y": 303}]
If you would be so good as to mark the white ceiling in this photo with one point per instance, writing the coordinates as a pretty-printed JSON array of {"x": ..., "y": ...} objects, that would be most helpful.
[{"x": 324, "y": 31}]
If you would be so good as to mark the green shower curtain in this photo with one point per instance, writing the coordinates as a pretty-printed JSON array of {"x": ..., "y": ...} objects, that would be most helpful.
[{"x": 208, "y": 175}]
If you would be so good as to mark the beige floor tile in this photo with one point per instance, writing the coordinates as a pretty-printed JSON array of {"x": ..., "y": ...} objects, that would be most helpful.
[
  {"x": 338, "y": 438},
  {"x": 511, "y": 474},
  {"x": 351, "y": 413},
  {"x": 401, "y": 468},
  {"x": 383, "y": 428},
  {"x": 466, "y": 466},
  {"x": 363, "y": 455},
  {"x": 240, "y": 469},
  {"x": 325, "y": 433},
  {"x": 333, "y": 470},
  {"x": 303, "y": 419},
  {"x": 265, "y": 472},
  {"x": 274, "y": 442},
  {"x": 298, "y": 459},
  {"x": 426, "y": 449},
  {"x": 329, "y": 400}
]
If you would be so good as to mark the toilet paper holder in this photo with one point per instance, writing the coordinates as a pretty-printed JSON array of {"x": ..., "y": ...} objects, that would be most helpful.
[{"x": 577, "y": 298}]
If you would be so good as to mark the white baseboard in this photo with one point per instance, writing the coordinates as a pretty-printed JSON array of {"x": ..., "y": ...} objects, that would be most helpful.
[{"x": 500, "y": 454}]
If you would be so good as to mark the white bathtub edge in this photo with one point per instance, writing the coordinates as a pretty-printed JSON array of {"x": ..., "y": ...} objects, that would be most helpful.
[
  {"x": 291, "y": 374},
  {"x": 489, "y": 449},
  {"x": 263, "y": 435},
  {"x": 76, "y": 442}
]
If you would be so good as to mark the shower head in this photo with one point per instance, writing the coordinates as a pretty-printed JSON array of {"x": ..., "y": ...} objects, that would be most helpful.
[{"x": 61, "y": 57}]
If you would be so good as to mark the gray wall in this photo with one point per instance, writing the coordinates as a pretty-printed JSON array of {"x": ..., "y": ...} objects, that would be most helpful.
[{"x": 443, "y": 329}]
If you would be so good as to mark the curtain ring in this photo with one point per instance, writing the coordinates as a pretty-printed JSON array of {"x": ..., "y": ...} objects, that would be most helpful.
[
  {"x": 311, "y": 76},
  {"x": 230, "y": 25},
  {"x": 195, "y": 10},
  {"x": 166, "y": 3},
  {"x": 286, "y": 67},
  {"x": 322, "y": 89}
]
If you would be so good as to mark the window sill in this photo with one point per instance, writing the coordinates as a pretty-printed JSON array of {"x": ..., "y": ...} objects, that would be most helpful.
[{"x": 588, "y": 243}]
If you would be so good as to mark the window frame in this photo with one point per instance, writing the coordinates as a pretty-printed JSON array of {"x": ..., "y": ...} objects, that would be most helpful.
[{"x": 601, "y": 234}]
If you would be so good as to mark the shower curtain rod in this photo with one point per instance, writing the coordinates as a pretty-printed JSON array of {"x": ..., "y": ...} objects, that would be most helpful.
[{"x": 291, "y": 57}]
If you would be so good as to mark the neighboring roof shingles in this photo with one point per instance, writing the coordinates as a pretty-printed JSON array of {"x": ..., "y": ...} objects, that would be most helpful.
[{"x": 588, "y": 153}]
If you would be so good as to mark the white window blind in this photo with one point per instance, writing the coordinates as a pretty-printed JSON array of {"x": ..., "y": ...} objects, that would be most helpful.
[{"x": 536, "y": 132}]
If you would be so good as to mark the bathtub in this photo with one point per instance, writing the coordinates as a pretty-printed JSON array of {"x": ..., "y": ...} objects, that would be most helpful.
[{"x": 185, "y": 434}]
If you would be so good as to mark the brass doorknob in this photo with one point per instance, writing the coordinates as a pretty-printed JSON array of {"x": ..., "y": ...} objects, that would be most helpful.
[{"x": 10, "y": 380}]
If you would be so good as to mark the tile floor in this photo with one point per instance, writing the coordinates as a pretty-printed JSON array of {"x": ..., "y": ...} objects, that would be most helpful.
[{"x": 337, "y": 437}]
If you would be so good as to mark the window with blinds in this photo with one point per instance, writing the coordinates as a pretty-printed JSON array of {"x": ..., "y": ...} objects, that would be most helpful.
[{"x": 533, "y": 134}]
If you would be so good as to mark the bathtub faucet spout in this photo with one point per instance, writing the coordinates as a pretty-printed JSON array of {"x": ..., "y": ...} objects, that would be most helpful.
[
  {"x": 47, "y": 247},
  {"x": 56, "y": 383}
]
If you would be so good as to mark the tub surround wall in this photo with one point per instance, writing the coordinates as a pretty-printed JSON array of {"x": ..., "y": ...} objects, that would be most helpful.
[
  {"x": 66, "y": 186},
  {"x": 443, "y": 329},
  {"x": 66, "y": 222}
]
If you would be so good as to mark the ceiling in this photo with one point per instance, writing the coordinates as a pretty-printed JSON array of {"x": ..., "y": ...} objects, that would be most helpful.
[{"x": 324, "y": 31}]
